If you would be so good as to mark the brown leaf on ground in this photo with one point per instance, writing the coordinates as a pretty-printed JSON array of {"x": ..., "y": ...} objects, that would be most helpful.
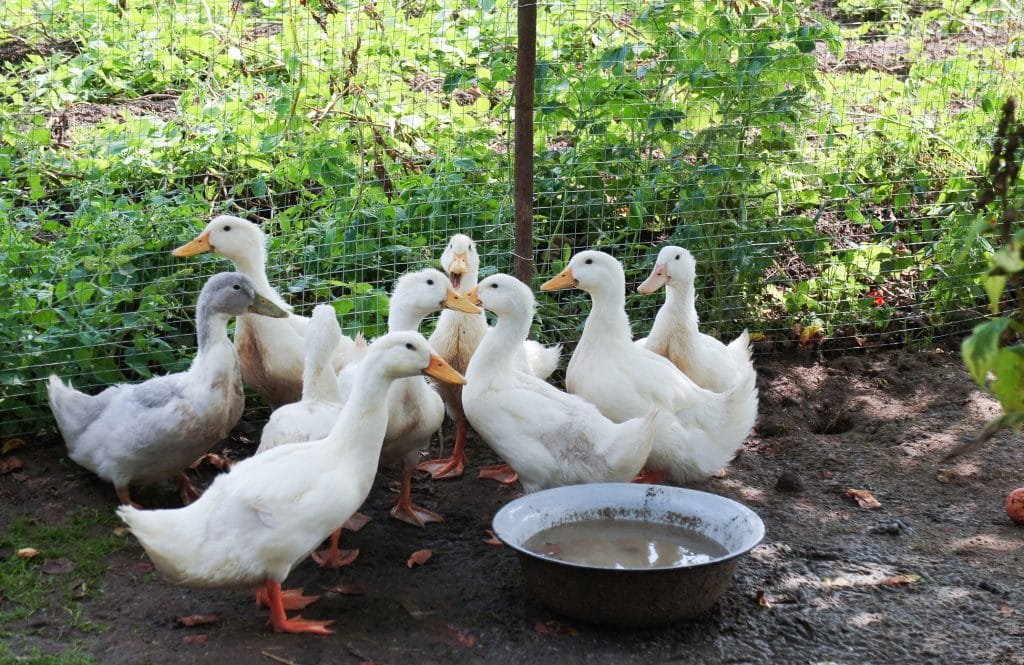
[
  {"x": 762, "y": 599},
  {"x": 9, "y": 464},
  {"x": 198, "y": 620},
  {"x": 12, "y": 444},
  {"x": 80, "y": 590},
  {"x": 195, "y": 639},
  {"x": 27, "y": 552},
  {"x": 419, "y": 557},
  {"x": 901, "y": 580},
  {"x": 357, "y": 522},
  {"x": 492, "y": 539},
  {"x": 1005, "y": 609},
  {"x": 57, "y": 566},
  {"x": 349, "y": 589},
  {"x": 554, "y": 628},
  {"x": 461, "y": 636},
  {"x": 864, "y": 499}
]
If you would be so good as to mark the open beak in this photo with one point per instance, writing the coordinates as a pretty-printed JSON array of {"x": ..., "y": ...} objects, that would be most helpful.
[
  {"x": 656, "y": 280},
  {"x": 200, "y": 245},
  {"x": 473, "y": 297},
  {"x": 461, "y": 303},
  {"x": 562, "y": 280},
  {"x": 261, "y": 305},
  {"x": 457, "y": 269},
  {"x": 442, "y": 371}
]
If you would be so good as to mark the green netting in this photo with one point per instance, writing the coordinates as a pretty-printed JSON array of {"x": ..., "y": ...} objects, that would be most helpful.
[{"x": 818, "y": 158}]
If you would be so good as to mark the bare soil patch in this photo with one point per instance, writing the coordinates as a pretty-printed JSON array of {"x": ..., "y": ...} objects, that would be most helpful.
[{"x": 935, "y": 573}]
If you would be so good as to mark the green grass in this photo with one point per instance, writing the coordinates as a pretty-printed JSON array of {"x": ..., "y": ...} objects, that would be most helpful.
[
  {"x": 85, "y": 539},
  {"x": 71, "y": 656}
]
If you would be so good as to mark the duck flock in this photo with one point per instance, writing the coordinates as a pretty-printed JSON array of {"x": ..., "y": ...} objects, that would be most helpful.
[{"x": 674, "y": 406}]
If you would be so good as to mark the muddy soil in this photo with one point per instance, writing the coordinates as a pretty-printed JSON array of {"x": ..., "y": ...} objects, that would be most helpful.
[{"x": 935, "y": 573}]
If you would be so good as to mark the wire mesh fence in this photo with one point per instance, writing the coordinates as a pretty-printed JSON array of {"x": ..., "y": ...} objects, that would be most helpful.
[{"x": 818, "y": 158}]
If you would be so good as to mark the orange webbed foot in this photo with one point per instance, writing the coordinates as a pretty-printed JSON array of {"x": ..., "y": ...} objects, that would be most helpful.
[
  {"x": 334, "y": 558},
  {"x": 451, "y": 467},
  {"x": 186, "y": 490},
  {"x": 412, "y": 514},
  {"x": 503, "y": 473},
  {"x": 650, "y": 476},
  {"x": 275, "y": 599}
]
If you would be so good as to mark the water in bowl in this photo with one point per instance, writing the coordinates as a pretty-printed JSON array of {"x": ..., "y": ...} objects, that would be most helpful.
[{"x": 625, "y": 544}]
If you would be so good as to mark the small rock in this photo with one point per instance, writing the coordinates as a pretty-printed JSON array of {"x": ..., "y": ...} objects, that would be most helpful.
[
  {"x": 789, "y": 481},
  {"x": 893, "y": 528}
]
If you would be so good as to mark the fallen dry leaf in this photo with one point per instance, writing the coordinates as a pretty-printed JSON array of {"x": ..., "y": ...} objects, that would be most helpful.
[
  {"x": 121, "y": 531},
  {"x": 554, "y": 628},
  {"x": 462, "y": 636},
  {"x": 195, "y": 639},
  {"x": 827, "y": 475},
  {"x": 357, "y": 522},
  {"x": 493, "y": 539},
  {"x": 27, "y": 552},
  {"x": 79, "y": 590},
  {"x": 9, "y": 464},
  {"x": 1006, "y": 609},
  {"x": 57, "y": 566},
  {"x": 901, "y": 580},
  {"x": 142, "y": 567},
  {"x": 12, "y": 444},
  {"x": 349, "y": 589},
  {"x": 418, "y": 558},
  {"x": 762, "y": 599},
  {"x": 864, "y": 499},
  {"x": 198, "y": 620}
]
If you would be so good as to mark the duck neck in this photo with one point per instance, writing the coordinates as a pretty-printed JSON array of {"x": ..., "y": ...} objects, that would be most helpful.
[
  {"x": 498, "y": 349},
  {"x": 212, "y": 339},
  {"x": 318, "y": 377},
  {"x": 358, "y": 433},
  {"x": 679, "y": 299},
  {"x": 401, "y": 318},
  {"x": 608, "y": 313},
  {"x": 254, "y": 266}
]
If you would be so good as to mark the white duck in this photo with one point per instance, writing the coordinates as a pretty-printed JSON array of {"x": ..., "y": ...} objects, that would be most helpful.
[
  {"x": 149, "y": 431},
  {"x": 313, "y": 416},
  {"x": 282, "y": 503},
  {"x": 456, "y": 337},
  {"x": 624, "y": 380},
  {"x": 271, "y": 352},
  {"x": 675, "y": 332},
  {"x": 549, "y": 437},
  {"x": 415, "y": 410}
]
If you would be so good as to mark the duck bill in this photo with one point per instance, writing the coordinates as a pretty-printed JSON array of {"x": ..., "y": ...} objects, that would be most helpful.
[
  {"x": 265, "y": 307},
  {"x": 655, "y": 281},
  {"x": 473, "y": 297},
  {"x": 563, "y": 280},
  {"x": 442, "y": 371},
  {"x": 200, "y": 245},
  {"x": 461, "y": 303}
]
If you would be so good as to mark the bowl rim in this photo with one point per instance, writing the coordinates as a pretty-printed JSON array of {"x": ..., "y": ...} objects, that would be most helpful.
[{"x": 758, "y": 535}]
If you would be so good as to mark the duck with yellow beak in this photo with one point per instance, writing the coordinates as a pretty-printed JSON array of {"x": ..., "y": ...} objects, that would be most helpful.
[{"x": 699, "y": 431}]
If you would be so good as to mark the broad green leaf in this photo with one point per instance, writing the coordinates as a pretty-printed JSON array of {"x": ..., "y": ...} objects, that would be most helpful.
[
  {"x": 1008, "y": 387},
  {"x": 981, "y": 348},
  {"x": 994, "y": 285}
]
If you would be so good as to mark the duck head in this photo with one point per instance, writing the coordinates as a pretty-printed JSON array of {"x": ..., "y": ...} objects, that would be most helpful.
[
  {"x": 675, "y": 265},
  {"x": 461, "y": 261}
]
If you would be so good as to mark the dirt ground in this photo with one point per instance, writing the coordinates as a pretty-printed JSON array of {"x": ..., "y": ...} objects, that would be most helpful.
[{"x": 934, "y": 574}]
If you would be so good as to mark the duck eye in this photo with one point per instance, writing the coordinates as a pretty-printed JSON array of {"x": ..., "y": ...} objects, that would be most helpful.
[
  {"x": 237, "y": 287},
  {"x": 227, "y": 228},
  {"x": 430, "y": 282},
  {"x": 494, "y": 286},
  {"x": 678, "y": 256},
  {"x": 589, "y": 261},
  {"x": 409, "y": 346}
]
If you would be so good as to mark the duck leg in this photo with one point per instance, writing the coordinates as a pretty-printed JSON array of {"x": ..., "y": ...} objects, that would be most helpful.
[
  {"x": 292, "y": 599},
  {"x": 454, "y": 466},
  {"x": 404, "y": 509},
  {"x": 650, "y": 476},
  {"x": 186, "y": 490},
  {"x": 280, "y": 621},
  {"x": 125, "y": 498},
  {"x": 503, "y": 473},
  {"x": 332, "y": 557}
]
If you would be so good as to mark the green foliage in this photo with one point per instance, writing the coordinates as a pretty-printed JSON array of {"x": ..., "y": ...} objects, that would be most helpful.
[
  {"x": 362, "y": 135},
  {"x": 995, "y": 349}
]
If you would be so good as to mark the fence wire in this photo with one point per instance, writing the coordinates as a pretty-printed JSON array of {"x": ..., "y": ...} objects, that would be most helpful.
[{"x": 818, "y": 158}]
